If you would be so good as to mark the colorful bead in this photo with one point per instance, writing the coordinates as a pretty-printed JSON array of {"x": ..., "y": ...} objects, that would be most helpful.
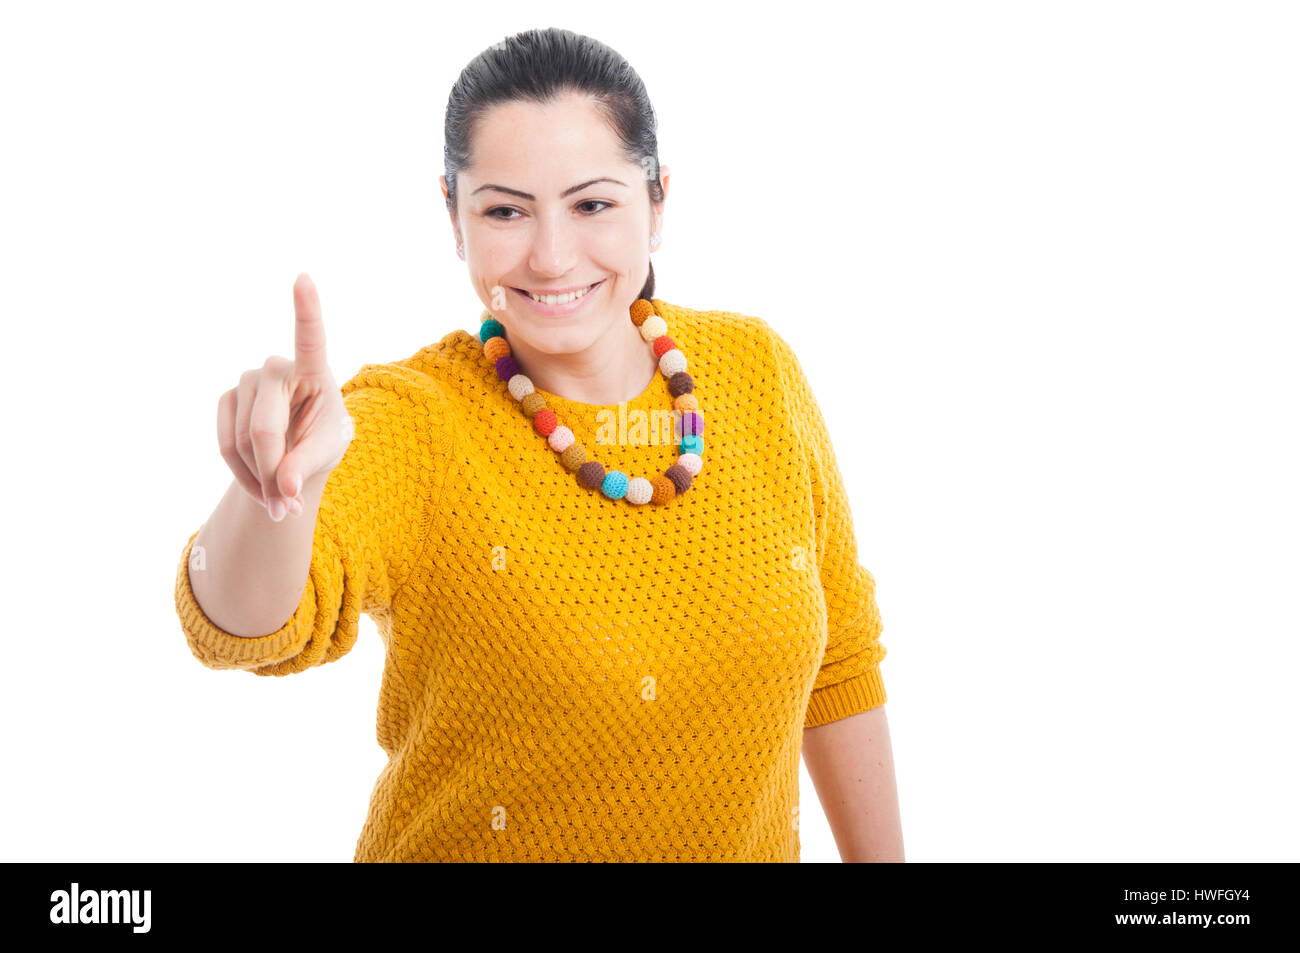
[
  {"x": 653, "y": 327},
  {"x": 545, "y": 421},
  {"x": 520, "y": 386},
  {"x": 561, "y": 439},
  {"x": 673, "y": 362},
  {"x": 614, "y": 485},
  {"x": 532, "y": 403},
  {"x": 639, "y": 490},
  {"x": 507, "y": 367},
  {"x": 663, "y": 490},
  {"x": 495, "y": 348},
  {"x": 663, "y": 345},
  {"x": 490, "y": 328},
  {"x": 591, "y": 474},
  {"x": 686, "y": 402},
  {"x": 640, "y": 310},
  {"x": 693, "y": 443},
  {"x": 680, "y": 384},
  {"x": 681, "y": 479},
  {"x": 574, "y": 457},
  {"x": 692, "y": 423},
  {"x": 691, "y": 463}
]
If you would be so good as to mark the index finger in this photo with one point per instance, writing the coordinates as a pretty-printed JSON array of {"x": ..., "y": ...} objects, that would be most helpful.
[{"x": 309, "y": 329}]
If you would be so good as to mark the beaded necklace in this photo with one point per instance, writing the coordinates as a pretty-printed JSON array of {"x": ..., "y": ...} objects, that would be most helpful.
[{"x": 614, "y": 484}]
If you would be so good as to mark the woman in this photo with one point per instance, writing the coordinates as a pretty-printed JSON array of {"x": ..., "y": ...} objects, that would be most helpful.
[{"x": 597, "y": 646}]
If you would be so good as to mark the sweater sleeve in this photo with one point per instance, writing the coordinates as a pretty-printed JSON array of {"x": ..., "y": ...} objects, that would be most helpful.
[
  {"x": 369, "y": 531},
  {"x": 849, "y": 680}
]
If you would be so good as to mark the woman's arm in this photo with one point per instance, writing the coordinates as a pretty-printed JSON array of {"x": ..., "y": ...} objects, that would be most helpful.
[
  {"x": 851, "y": 765},
  {"x": 256, "y": 569}
]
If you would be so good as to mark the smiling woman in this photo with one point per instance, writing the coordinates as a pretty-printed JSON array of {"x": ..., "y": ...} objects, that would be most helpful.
[{"x": 568, "y": 677}]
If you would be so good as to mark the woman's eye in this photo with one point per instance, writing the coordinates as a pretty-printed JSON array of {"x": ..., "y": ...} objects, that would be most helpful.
[
  {"x": 491, "y": 213},
  {"x": 596, "y": 202}
]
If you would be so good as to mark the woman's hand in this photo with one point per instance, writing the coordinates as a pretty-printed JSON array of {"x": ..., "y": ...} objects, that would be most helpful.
[{"x": 286, "y": 421}]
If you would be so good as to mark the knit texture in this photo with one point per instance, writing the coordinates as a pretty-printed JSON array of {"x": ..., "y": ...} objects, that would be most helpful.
[{"x": 572, "y": 678}]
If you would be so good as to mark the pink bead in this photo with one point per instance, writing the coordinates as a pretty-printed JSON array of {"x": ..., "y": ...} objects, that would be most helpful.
[
  {"x": 691, "y": 463},
  {"x": 561, "y": 439}
]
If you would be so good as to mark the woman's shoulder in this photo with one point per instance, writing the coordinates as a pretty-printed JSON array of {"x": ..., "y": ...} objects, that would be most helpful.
[
  {"x": 709, "y": 317},
  {"x": 734, "y": 332},
  {"x": 429, "y": 375}
]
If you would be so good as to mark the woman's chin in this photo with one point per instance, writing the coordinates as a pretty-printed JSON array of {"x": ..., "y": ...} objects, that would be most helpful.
[{"x": 568, "y": 340}]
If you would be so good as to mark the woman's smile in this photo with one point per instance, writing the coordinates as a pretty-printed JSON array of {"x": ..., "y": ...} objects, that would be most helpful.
[{"x": 558, "y": 305}]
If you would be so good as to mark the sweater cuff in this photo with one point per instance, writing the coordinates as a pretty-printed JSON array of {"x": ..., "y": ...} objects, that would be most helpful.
[
  {"x": 849, "y": 697},
  {"x": 218, "y": 649}
]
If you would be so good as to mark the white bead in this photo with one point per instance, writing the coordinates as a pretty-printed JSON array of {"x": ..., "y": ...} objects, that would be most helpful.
[
  {"x": 653, "y": 327},
  {"x": 672, "y": 362},
  {"x": 692, "y": 463},
  {"x": 639, "y": 490},
  {"x": 520, "y": 386}
]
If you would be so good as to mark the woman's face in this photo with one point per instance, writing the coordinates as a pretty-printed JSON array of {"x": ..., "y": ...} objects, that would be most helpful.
[{"x": 550, "y": 205}]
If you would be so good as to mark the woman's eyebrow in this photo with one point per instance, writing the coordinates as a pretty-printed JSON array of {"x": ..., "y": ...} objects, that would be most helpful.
[{"x": 533, "y": 198}]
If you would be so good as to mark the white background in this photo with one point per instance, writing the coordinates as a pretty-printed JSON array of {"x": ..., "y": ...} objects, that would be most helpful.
[{"x": 1039, "y": 261}]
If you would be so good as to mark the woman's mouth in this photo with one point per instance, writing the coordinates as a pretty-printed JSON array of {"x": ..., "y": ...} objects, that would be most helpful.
[{"x": 557, "y": 305}]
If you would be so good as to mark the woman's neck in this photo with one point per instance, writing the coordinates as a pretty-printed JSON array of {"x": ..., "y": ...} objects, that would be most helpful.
[{"x": 618, "y": 367}]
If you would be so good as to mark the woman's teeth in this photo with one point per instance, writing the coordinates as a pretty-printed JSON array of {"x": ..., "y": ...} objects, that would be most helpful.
[{"x": 557, "y": 299}]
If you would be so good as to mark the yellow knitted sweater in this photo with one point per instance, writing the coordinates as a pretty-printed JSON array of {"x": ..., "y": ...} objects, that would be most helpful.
[{"x": 570, "y": 677}]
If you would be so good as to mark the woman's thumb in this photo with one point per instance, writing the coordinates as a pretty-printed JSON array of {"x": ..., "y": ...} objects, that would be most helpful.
[{"x": 288, "y": 476}]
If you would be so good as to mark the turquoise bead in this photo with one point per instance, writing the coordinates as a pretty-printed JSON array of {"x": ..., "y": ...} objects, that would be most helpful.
[
  {"x": 693, "y": 443},
  {"x": 615, "y": 485},
  {"x": 489, "y": 329}
]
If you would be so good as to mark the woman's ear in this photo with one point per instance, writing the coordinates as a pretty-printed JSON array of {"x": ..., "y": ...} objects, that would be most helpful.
[
  {"x": 455, "y": 226},
  {"x": 657, "y": 209}
]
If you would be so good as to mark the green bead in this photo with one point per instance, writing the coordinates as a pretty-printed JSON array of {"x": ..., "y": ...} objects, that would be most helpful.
[{"x": 489, "y": 329}]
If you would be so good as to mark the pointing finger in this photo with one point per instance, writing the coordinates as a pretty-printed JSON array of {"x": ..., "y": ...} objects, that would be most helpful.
[{"x": 309, "y": 330}]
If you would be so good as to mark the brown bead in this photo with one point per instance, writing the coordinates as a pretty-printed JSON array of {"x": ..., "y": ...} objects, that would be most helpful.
[
  {"x": 591, "y": 475},
  {"x": 574, "y": 456},
  {"x": 681, "y": 479},
  {"x": 681, "y": 383},
  {"x": 532, "y": 403},
  {"x": 662, "y": 490},
  {"x": 640, "y": 310}
]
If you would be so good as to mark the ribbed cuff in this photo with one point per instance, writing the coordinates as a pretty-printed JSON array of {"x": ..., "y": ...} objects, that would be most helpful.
[
  {"x": 849, "y": 697},
  {"x": 216, "y": 648}
]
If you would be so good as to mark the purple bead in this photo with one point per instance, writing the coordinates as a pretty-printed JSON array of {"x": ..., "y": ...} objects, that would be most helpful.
[
  {"x": 507, "y": 367},
  {"x": 692, "y": 423}
]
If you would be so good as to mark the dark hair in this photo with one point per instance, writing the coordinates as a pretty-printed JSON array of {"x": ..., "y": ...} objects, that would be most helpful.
[{"x": 541, "y": 66}]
